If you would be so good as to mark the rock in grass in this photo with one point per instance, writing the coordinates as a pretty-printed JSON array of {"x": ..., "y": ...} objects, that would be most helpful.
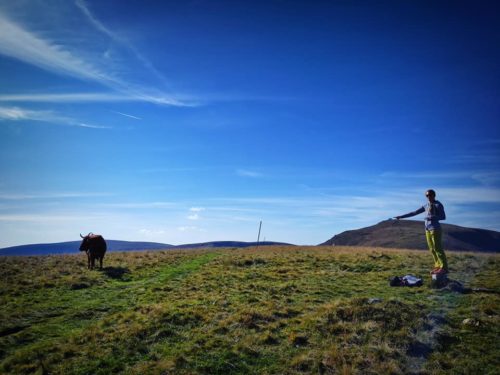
[
  {"x": 298, "y": 340},
  {"x": 76, "y": 286},
  {"x": 471, "y": 322}
]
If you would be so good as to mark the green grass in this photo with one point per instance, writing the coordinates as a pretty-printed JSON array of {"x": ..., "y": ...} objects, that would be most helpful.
[{"x": 274, "y": 310}]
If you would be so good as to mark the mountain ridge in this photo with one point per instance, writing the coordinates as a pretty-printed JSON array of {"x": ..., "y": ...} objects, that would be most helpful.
[
  {"x": 400, "y": 234},
  {"x": 69, "y": 247},
  {"x": 409, "y": 234}
]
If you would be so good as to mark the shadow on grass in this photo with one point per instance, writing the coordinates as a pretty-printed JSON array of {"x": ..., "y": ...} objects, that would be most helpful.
[{"x": 116, "y": 273}]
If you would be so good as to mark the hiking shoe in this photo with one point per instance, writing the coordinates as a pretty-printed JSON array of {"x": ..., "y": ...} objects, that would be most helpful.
[{"x": 435, "y": 270}]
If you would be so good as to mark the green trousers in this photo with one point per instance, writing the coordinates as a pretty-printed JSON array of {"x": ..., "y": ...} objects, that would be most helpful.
[{"x": 436, "y": 248}]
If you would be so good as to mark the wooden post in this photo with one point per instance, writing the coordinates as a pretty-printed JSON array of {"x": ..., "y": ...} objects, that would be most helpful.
[{"x": 258, "y": 237}]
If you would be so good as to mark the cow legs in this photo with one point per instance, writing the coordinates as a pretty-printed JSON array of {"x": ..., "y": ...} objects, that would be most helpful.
[{"x": 92, "y": 257}]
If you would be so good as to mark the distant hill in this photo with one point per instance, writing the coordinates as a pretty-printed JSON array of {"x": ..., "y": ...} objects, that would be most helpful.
[
  {"x": 114, "y": 245},
  {"x": 230, "y": 244},
  {"x": 73, "y": 246},
  {"x": 409, "y": 234}
]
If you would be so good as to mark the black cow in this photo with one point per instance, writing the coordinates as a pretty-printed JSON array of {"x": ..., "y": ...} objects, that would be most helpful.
[{"x": 95, "y": 247}]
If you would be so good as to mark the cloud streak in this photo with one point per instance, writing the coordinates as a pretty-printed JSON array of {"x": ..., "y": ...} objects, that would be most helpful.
[
  {"x": 90, "y": 97},
  {"x": 248, "y": 173},
  {"x": 19, "y": 43},
  {"x": 66, "y": 97},
  {"x": 51, "y": 117},
  {"x": 82, "y": 5},
  {"x": 56, "y": 195},
  {"x": 127, "y": 115}
]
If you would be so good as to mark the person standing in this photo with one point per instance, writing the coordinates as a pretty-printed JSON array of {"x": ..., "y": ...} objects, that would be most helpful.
[{"x": 433, "y": 233}]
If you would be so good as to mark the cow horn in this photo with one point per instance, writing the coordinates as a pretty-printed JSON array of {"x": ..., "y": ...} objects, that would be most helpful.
[
  {"x": 81, "y": 235},
  {"x": 90, "y": 234}
]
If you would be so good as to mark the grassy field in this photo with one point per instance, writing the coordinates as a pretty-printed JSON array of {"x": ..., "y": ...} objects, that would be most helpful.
[{"x": 274, "y": 310}]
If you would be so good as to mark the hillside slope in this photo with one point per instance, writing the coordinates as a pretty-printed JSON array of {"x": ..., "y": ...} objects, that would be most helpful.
[{"x": 409, "y": 234}]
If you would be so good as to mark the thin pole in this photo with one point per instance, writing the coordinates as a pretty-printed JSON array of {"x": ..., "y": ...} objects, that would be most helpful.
[{"x": 258, "y": 237}]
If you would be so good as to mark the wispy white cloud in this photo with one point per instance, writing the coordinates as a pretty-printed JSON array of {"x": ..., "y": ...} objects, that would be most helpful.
[
  {"x": 194, "y": 217},
  {"x": 54, "y": 195},
  {"x": 92, "y": 97},
  {"x": 481, "y": 157},
  {"x": 17, "y": 42},
  {"x": 66, "y": 97},
  {"x": 487, "y": 178},
  {"x": 127, "y": 115},
  {"x": 425, "y": 175},
  {"x": 140, "y": 205},
  {"x": 16, "y": 114},
  {"x": 152, "y": 232},
  {"x": 482, "y": 176},
  {"x": 85, "y": 125},
  {"x": 23, "y": 114},
  {"x": 359, "y": 210},
  {"x": 83, "y": 6},
  {"x": 197, "y": 209},
  {"x": 248, "y": 173},
  {"x": 195, "y": 213},
  {"x": 23, "y": 45},
  {"x": 483, "y": 152},
  {"x": 471, "y": 195},
  {"x": 190, "y": 228},
  {"x": 42, "y": 218}
]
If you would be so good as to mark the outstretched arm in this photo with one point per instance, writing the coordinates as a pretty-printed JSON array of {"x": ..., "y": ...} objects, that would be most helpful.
[{"x": 410, "y": 214}]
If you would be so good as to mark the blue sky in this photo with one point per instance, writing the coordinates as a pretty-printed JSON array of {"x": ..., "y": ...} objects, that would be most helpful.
[{"x": 191, "y": 121}]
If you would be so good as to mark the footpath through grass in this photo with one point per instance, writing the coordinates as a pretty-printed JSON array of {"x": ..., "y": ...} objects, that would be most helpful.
[{"x": 250, "y": 311}]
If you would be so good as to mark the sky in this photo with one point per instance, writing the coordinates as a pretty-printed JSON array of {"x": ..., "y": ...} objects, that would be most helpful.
[{"x": 192, "y": 121}]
